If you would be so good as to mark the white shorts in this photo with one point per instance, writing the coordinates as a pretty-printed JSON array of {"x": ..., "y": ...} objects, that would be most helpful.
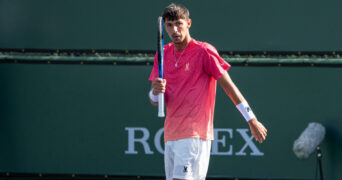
[{"x": 187, "y": 159}]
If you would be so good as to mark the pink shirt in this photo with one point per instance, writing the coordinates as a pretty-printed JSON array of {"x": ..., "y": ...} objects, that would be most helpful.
[{"x": 190, "y": 89}]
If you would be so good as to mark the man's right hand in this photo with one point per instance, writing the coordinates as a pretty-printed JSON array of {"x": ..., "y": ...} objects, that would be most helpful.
[{"x": 159, "y": 86}]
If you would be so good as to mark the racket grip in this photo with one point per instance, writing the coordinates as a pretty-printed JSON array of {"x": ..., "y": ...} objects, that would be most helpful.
[{"x": 161, "y": 105}]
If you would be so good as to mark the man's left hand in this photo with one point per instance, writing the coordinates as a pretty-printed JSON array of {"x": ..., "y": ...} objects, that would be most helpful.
[{"x": 258, "y": 130}]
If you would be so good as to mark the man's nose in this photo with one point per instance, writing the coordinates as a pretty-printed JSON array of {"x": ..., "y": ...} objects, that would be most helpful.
[{"x": 174, "y": 29}]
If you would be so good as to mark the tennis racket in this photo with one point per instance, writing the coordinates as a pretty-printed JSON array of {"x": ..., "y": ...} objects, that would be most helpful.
[{"x": 160, "y": 51}]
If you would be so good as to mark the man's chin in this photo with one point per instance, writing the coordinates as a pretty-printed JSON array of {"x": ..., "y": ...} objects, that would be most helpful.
[{"x": 177, "y": 41}]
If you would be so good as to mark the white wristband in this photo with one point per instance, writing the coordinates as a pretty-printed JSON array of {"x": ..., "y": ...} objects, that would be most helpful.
[
  {"x": 246, "y": 111},
  {"x": 153, "y": 97}
]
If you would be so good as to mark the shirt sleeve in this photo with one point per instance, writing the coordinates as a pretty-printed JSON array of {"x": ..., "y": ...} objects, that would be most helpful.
[
  {"x": 214, "y": 65},
  {"x": 154, "y": 73}
]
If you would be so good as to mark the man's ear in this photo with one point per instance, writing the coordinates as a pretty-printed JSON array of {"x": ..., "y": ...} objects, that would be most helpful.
[{"x": 189, "y": 23}]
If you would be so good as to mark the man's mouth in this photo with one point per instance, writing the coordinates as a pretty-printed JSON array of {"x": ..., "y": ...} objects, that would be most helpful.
[{"x": 176, "y": 37}]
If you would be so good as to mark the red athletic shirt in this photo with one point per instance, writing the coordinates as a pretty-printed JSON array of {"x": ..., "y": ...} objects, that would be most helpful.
[{"x": 190, "y": 89}]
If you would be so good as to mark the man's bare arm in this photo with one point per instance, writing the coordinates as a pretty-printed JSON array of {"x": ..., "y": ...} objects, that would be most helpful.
[{"x": 257, "y": 129}]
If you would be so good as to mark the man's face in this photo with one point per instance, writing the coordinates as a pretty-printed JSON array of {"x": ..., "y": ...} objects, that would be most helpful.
[{"x": 177, "y": 30}]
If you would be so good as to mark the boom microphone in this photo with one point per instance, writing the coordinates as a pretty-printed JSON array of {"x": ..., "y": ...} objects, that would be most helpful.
[{"x": 307, "y": 142}]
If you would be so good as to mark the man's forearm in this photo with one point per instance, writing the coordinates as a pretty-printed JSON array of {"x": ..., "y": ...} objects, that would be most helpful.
[
  {"x": 235, "y": 95},
  {"x": 230, "y": 88}
]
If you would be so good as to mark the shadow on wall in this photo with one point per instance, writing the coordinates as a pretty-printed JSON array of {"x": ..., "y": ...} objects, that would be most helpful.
[{"x": 333, "y": 140}]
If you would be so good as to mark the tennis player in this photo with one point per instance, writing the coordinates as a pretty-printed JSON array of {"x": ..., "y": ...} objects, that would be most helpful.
[{"x": 191, "y": 70}]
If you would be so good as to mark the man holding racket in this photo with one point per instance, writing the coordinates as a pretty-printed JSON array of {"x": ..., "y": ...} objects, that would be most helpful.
[{"x": 191, "y": 70}]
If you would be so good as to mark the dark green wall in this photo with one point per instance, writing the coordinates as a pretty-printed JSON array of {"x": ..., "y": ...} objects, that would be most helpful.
[
  {"x": 246, "y": 25},
  {"x": 72, "y": 119}
]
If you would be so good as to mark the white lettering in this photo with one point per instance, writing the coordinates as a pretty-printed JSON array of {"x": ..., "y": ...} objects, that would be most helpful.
[
  {"x": 157, "y": 139},
  {"x": 217, "y": 141},
  {"x": 219, "y": 145},
  {"x": 132, "y": 140},
  {"x": 249, "y": 142}
]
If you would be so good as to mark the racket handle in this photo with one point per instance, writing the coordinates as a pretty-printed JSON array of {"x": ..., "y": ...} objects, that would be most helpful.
[{"x": 161, "y": 105}]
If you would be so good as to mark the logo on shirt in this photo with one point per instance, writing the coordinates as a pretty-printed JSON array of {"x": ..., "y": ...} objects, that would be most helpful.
[{"x": 187, "y": 67}]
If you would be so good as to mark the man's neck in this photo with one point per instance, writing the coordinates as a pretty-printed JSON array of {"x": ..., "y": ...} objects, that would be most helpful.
[{"x": 183, "y": 45}]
